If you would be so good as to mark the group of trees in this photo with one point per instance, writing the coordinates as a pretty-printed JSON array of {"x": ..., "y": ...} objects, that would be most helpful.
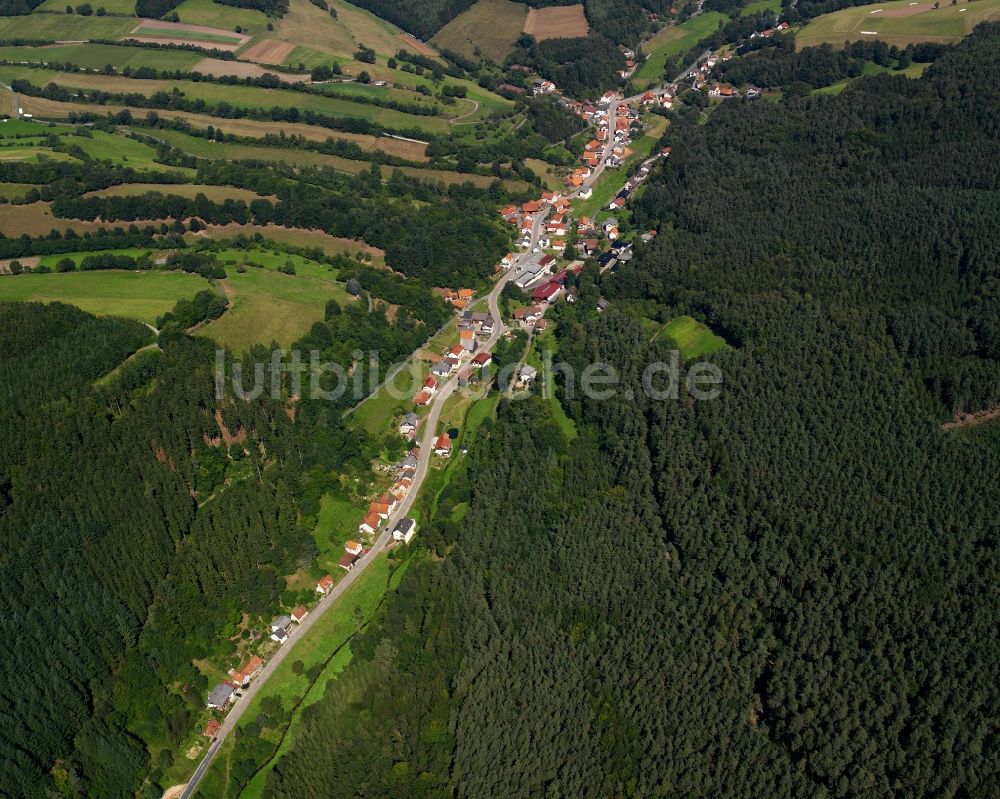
[{"x": 787, "y": 590}]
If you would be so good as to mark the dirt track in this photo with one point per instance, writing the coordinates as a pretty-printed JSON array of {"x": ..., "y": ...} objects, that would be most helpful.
[{"x": 412, "y": 43}]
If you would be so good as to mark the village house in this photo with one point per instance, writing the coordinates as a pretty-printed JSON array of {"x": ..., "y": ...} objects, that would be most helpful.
[
  {"x": 421, "y": 398},
  {"x": 481, "y": 360},
  {"x": 220, "y": 696},
  {"x": 430, "y": 385},
  {"x": 467, "y": 341},
  {"x": 508, "y": 259},
  {"x": 404, "y": 530},
  {"x": 325, "y": 584},
  {"x": 586, "y": 192},
  {"x": 212, "y": 728},
  {"x": 465, "y": 377},
  {"x": 280, "y": 628},
  {"x": 299, "y": 613},
  {"x": 547, "y": 292},
  {"x": 400, "y": 488},
  {"x": 442, "y": 447},
  {"x": 247, "y": 671},
  {"x": 526, "y": 375},
  {"x": 354, "y": 547},
  {"x": 370, "y": 523},
  {"x": 408, "y": 425},
  {"x": 441, "y": 369},
  {"x": 347, "y": 561}
]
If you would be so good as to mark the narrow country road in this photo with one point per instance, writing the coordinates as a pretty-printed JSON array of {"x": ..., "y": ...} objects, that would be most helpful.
[{"x": 426, "y": 443}]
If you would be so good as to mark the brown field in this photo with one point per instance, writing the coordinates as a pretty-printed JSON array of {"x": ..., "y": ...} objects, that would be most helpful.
[
  {"x": 140, "y": 33},
  {"x": 300, "y": 237},
  {"x": 35, "y": 219},
  {"x": 214, "y": 193},
  {"x": 50, "y": 109},
  {"x": 417, "y": 46},
  {"x": 31, "y": 260},
  {"x": 492, "y": 26},
  {"x": 267, "y": 51},
  {"x": 556, "y": 22},
  {"x": 219, "y": 68}
]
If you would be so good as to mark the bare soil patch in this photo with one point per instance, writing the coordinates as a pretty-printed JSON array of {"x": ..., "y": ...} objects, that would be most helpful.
[
  {"x": 220, "y": 68},
  {"x": 417, "y": 46},
  {"x": 556, "y": 22},
  {"x": 971, "y": 419},
  {"x": 31, "y": 260},
  {"x": 268, "y": 51}
]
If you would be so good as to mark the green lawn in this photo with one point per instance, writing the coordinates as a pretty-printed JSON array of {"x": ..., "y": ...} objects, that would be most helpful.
[
  {"x": 123, "y": 7},
  {"x": 671, "y": 41},
  {"x": 11, "y": 191},
  {"x": 913, "y": 71},
  {"x": 378, "y": 412},
  {"x": 121, "y": 150},
  {"x": 137, "y": 295},
  {"x": 76, "y": 257},
  {"x": 337, "y": 523},
  {"x": 267, "y": 306},
  {"x": 692, "y": 337},
  {"x": 947, "y": 24},
  {"x": 759, "y": 6}
]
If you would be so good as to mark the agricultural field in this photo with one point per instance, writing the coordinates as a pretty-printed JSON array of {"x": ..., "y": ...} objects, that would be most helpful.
[
  {"x": 216, "y": 15},
  {"x": 241, "y": 96},
  {"x": 36, "y": 219},
  {"x": 97, "y": 56},
  {"x": 156, "y": 30},
  {"x": 297, "y": 237},
  {"x": 760, "y": 6},
  {"x": 219, "y": 67},
  {"x": 491, "y": 26},
  {"x": 64, "y": 27},
  {"x": 672, "y": 41},
  {"x": 77, "y": 257},
  {"x": 268, "y": 306},
  {"x": 693, "y": 338},
  {"x": 214, "y": 193},
  {"x": 900, "y": 23},
  {"x": 556, "y": 22},
  {"x": 144, "y": 296},
  {"x": 12, "y": 191}
]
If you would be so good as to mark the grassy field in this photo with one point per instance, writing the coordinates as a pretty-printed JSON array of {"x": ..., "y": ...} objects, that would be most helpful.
[
  {"x": 693, "y": 338},
  {"x": 492, "y": 26},
  {"x": 215, "y": 15},
  {"x": 268, "y": 306},
  {"x": 671, "y": 41},
  {"x": 97, "y": 56},
  {"x": 12, "y": 191},
  {"x": 377, "y": 413},
  {"x": 242, "y": 96},
  {"x": 898, "y": 23},
  {"x": 214, "y": 193},
  {"x": 36, "y": 219},
  {"x": 64, "y": 27},
  {"x": 123, "y": 7},
  {"x": 914, "y": 70},
  {"x": 759, "y": 6},
  {"x": 298, "y": 237},
  {"x": 136, "y": 295},
  {"x": 76, "y": 257}
]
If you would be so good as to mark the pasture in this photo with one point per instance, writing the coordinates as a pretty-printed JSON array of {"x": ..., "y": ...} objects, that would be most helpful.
[
  {"x": 35, "y": 219},
  {"x": 267, "y": 306},
  {"x": 556, "y": 22},
  {"x": 671, "y": 41},
  {"x": 122, "y": 7},
  {"x": 12, "y": 191},
  {"x": 144, "y": 296},
  {"x": 900, "y": 23},
  {"x": 914, "y": 70},
  {"x": 693, "y": 338},
  {"x": 491, "y": 26},
  {"x": 216, "y": 15}
]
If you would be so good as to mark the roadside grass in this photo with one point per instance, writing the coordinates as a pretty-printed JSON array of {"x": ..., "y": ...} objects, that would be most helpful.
[
  {"x": 492, "y": 26},
  {"x": 214, "y": 193},
  {"x": 947, "y": 24},
  {"x": 144, "y": 296},
  {"x": 97, "y": 56},
  {"x": 670, "y": 41},
  {"x": 267, "y": 306},
  {"x": 226, "y": 17},
  {"x": 914, "y": 70},
  {"x": 693, "y": 338},
  {"x": 240, "y": 96},
  {"x": 14, "y": 191},
  {"x": 64, "y": 27}
]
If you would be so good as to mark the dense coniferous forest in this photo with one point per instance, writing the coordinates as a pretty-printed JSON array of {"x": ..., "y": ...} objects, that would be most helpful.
[
  {"x": 789, "y": 590},
  {"x": 121, "y": 556}
]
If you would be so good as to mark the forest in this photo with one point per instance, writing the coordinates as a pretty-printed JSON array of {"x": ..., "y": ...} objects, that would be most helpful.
[{"x": 789, "y": 590}]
